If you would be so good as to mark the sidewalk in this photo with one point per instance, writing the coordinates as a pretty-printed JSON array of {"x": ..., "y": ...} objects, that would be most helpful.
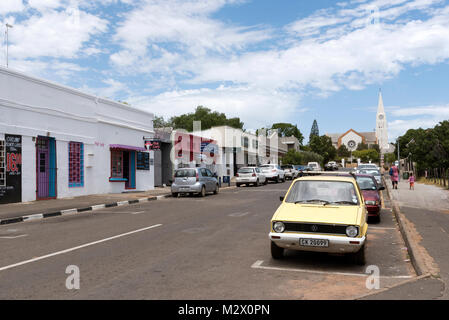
[
  {"x": 14, "y": 210},
  {"x": 426, "y": 214}
]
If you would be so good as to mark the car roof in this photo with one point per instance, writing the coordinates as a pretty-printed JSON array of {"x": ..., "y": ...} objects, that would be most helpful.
[{"x": 329, "y": 177}]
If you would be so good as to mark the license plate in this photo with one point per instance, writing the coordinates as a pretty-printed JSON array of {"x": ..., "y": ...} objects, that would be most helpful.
[{"x": 314, "y": 243}]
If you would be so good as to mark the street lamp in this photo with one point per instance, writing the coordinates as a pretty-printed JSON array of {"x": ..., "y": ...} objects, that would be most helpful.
[{"x": 8, "y": 26}]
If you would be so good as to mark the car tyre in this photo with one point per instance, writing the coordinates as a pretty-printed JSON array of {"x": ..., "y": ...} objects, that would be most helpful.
[
  {"x": 203, "y": 192},
  {"x": 276, "y": 252},
  {"x": 257, "y": 183},
  {"x": 238, "y": 185},
  {"x": 175, "y": 194},
  {"x": 217, "y": 189},
  {"x": 359, "y": 257},
  {"x": 277, "y": 179}
]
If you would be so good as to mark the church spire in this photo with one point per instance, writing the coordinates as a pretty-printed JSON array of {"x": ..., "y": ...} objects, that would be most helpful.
[{"x": 380, "y": 106}]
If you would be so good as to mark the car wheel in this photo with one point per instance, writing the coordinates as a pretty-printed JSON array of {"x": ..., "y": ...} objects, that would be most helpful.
[
  {"x": 217, "y": 189},
  {"x": 266, "y": 182},
  {"x": 174, "y": 194},
  {"x": 276, "y": 252},
  {"x": 257, "y": 183},
  {"x": 359, "y": 257},
  {"x": 237, "y": 185},
  {"x": 277, "y": 179},
  {"x": 203, "y": 192}
]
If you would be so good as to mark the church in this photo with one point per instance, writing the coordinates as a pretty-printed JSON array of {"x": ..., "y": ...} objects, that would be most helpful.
[{"x": 351, "y": 138}]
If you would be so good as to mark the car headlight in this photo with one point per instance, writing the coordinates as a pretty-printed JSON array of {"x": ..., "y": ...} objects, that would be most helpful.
[
  {"x": 372, "y": 203},
  {"x": 352, "y": 231},
  {"x": 279, "y": 227}
]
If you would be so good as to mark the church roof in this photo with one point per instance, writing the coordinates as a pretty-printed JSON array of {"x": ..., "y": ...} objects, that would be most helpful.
[{"x": 370, "y": 137}]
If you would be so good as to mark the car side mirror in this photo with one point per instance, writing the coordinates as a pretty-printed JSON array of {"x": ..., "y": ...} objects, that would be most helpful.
[
  {"x": 281, "y": 198},
  {"x": 381, "y": 188}
]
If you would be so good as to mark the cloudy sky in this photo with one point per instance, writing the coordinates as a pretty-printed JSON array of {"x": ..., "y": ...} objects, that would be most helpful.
[{"x": 262, "y": 60}]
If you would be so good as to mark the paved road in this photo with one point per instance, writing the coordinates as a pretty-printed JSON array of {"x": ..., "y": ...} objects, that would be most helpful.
[{"x": 185, "y": 248}]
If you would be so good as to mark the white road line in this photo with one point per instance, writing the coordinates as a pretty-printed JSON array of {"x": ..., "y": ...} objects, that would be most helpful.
[
  {"x": 122, "y": 203},
  {"x": 139, "y": 212},
  {"x": 68, "y": 211},
  {"x": 238, "y": 214},
  {"x": 14, "y": 237},
  {"x": 258, "y": 265},
  {"x": 76, "y": 248}
]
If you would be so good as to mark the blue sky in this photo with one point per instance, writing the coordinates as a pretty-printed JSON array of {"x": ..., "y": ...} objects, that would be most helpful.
[{"x": 264, "y": 61}]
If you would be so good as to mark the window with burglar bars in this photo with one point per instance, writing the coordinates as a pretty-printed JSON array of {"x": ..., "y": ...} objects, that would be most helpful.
[
  {"x": 76, "y": 164},
  {"x": 2, "y": 164}
]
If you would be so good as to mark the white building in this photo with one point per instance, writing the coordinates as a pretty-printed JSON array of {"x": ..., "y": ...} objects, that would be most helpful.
[{"x": 58, "y": 142}]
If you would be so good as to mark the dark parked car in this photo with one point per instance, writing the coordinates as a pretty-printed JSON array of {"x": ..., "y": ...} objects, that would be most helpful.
[{"x": 371, "y": 194}]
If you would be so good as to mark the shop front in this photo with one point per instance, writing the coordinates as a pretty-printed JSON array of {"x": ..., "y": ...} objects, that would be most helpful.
[{"x": 124, "y": 164}]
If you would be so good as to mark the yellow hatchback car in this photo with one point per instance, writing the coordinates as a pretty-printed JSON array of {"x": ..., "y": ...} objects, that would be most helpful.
[{"x": 324, "y": 213}]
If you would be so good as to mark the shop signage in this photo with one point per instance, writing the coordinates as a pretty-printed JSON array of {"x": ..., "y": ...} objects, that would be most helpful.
[{"x": 12, "y": 191}]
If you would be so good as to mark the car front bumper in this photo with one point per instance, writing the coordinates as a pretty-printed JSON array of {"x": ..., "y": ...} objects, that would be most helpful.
[
  {"x": 194, "y": 188},
  {"x": 337, "y": 244}
]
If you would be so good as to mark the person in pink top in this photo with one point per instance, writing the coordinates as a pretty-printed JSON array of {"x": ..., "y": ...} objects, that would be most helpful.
[
  {"x": 395, "y": 177},
  {"x": 411, "y": 180}
]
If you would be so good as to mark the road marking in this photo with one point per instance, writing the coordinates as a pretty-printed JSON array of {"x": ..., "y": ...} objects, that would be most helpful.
[
  {"x": 68, "y": 211},
  {"x": 258, "y": 265},
  {"x": 14, "y": 237},
  {"x": 76, "y": 248},
  {"x": 238, "y": 214},
  {"x": 139, "y": 212},
  {"x": 98, "y": 207},
  {"x": 122, "y": 203}
]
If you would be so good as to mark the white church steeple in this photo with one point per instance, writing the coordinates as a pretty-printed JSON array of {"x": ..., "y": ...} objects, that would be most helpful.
[{"x": 381, "y": 125}]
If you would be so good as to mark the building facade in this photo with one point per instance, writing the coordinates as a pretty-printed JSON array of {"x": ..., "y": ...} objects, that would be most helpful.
[{"x": 58, "y": 142}]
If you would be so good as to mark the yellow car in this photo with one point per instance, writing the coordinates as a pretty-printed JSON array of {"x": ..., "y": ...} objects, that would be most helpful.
[{"x": 324, "y": 213}]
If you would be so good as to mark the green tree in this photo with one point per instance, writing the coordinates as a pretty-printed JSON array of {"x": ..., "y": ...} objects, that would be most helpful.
[
  {"x": 288, "y": 130},
  {"x": 343, "y": 152},
  {"x": 208, "y": 120},
  {"x": 367, "y": 155},
  {"x": 314, "y": 131},
  {"x": 362, "y": 146},
  {"x": 159, "y": 122},
  {"x": 323, "y": 146},
  {"x": 390, "y": 158},
  {"x": 295, "y": 157}
]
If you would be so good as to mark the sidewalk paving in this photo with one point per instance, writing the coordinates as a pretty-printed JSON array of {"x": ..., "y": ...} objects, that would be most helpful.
[
  {"x": 427, "y": 210},
  {"x": 14, "y": 210}
]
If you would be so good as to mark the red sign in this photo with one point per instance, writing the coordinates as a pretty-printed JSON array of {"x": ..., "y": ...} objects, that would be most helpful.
[{"x": 153, "y": 145}]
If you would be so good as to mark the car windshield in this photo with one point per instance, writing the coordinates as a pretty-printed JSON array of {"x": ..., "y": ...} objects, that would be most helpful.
[
  {"x": 324, "y": 192},
  {"x": 246, "y": 170},
  {"x": 265, "y": 167},
  {"x": 183, "y": 173},
  {"x": 372, "y": 172},
  {"x": 366, "y": 183}
]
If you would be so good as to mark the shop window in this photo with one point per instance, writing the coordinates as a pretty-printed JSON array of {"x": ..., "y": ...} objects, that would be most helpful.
[
  {"x": 2, "y": 164},
  {"x": 76, "y": 164},
  {"x": 116, "y": 164}
]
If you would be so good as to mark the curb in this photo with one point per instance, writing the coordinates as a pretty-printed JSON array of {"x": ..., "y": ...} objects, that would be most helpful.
[
  {"x": 417, "y": 264},
  {"x": 65, "y": 212}
]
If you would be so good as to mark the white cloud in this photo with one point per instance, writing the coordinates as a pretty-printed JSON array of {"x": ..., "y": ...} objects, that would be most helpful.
[
  {"x": 255, "y": 107},
  {"x": 10, "y": 6}
]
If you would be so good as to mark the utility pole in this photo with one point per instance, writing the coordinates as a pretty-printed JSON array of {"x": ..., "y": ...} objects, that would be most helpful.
[
  {"x": 399, "y": 163},
  {"x": 8, "y": 26}
]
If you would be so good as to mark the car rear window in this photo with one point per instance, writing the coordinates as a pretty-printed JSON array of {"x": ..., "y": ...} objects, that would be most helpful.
[
  {"x": 246, "y": 170},
  {"x": 366, "y": 183},
  {"x": 307, "y": 191},
  {"x": 185, "y": 173}
]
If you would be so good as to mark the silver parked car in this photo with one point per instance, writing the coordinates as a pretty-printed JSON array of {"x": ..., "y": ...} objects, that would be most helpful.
[
  {"x": 290, "y": 171},
  {"x": 194, "y": 181},
  {"x": 273, "y": 172},
  {"x": 374, "y": 173},
  {"x": 250, "y": 175}
]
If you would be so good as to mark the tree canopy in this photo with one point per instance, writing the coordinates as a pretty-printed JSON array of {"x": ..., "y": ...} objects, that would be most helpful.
[
  {"x": 323, "y": 146},
  {"x": 208, "y": 120},
  {"x": 429, "y": 148},
  {"x": 288, "y": 130},
  {"x": 314, "y": 131},
  {"x": 295, "y": 157}
]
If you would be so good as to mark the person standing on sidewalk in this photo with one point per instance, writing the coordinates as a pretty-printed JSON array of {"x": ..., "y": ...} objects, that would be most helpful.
[
  {"x": 411, "y": 180},
  {"x": 395, "y": 177}
]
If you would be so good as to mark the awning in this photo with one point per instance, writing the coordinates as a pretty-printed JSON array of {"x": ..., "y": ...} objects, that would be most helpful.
[{"x": 123, "y": 147}]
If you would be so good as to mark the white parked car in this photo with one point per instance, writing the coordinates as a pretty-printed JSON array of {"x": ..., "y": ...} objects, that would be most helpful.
[
  {"x": 315, "y": 166},
  {"x": 273, "y": 172},
  {"x": 366, "y": 166},
  {"x": 290, "y": 171},
  {"x": 250, "y": 175}
]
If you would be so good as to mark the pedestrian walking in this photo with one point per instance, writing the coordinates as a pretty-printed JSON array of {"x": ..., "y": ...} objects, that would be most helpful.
[
  {"x": 394, "y": 176},
  {"x": 411, "y": 180}
]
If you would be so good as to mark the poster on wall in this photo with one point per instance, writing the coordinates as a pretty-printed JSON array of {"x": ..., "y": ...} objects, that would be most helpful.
[
  {"x": 12, "y": 191},
  {"x": 143, "y": 161}
]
